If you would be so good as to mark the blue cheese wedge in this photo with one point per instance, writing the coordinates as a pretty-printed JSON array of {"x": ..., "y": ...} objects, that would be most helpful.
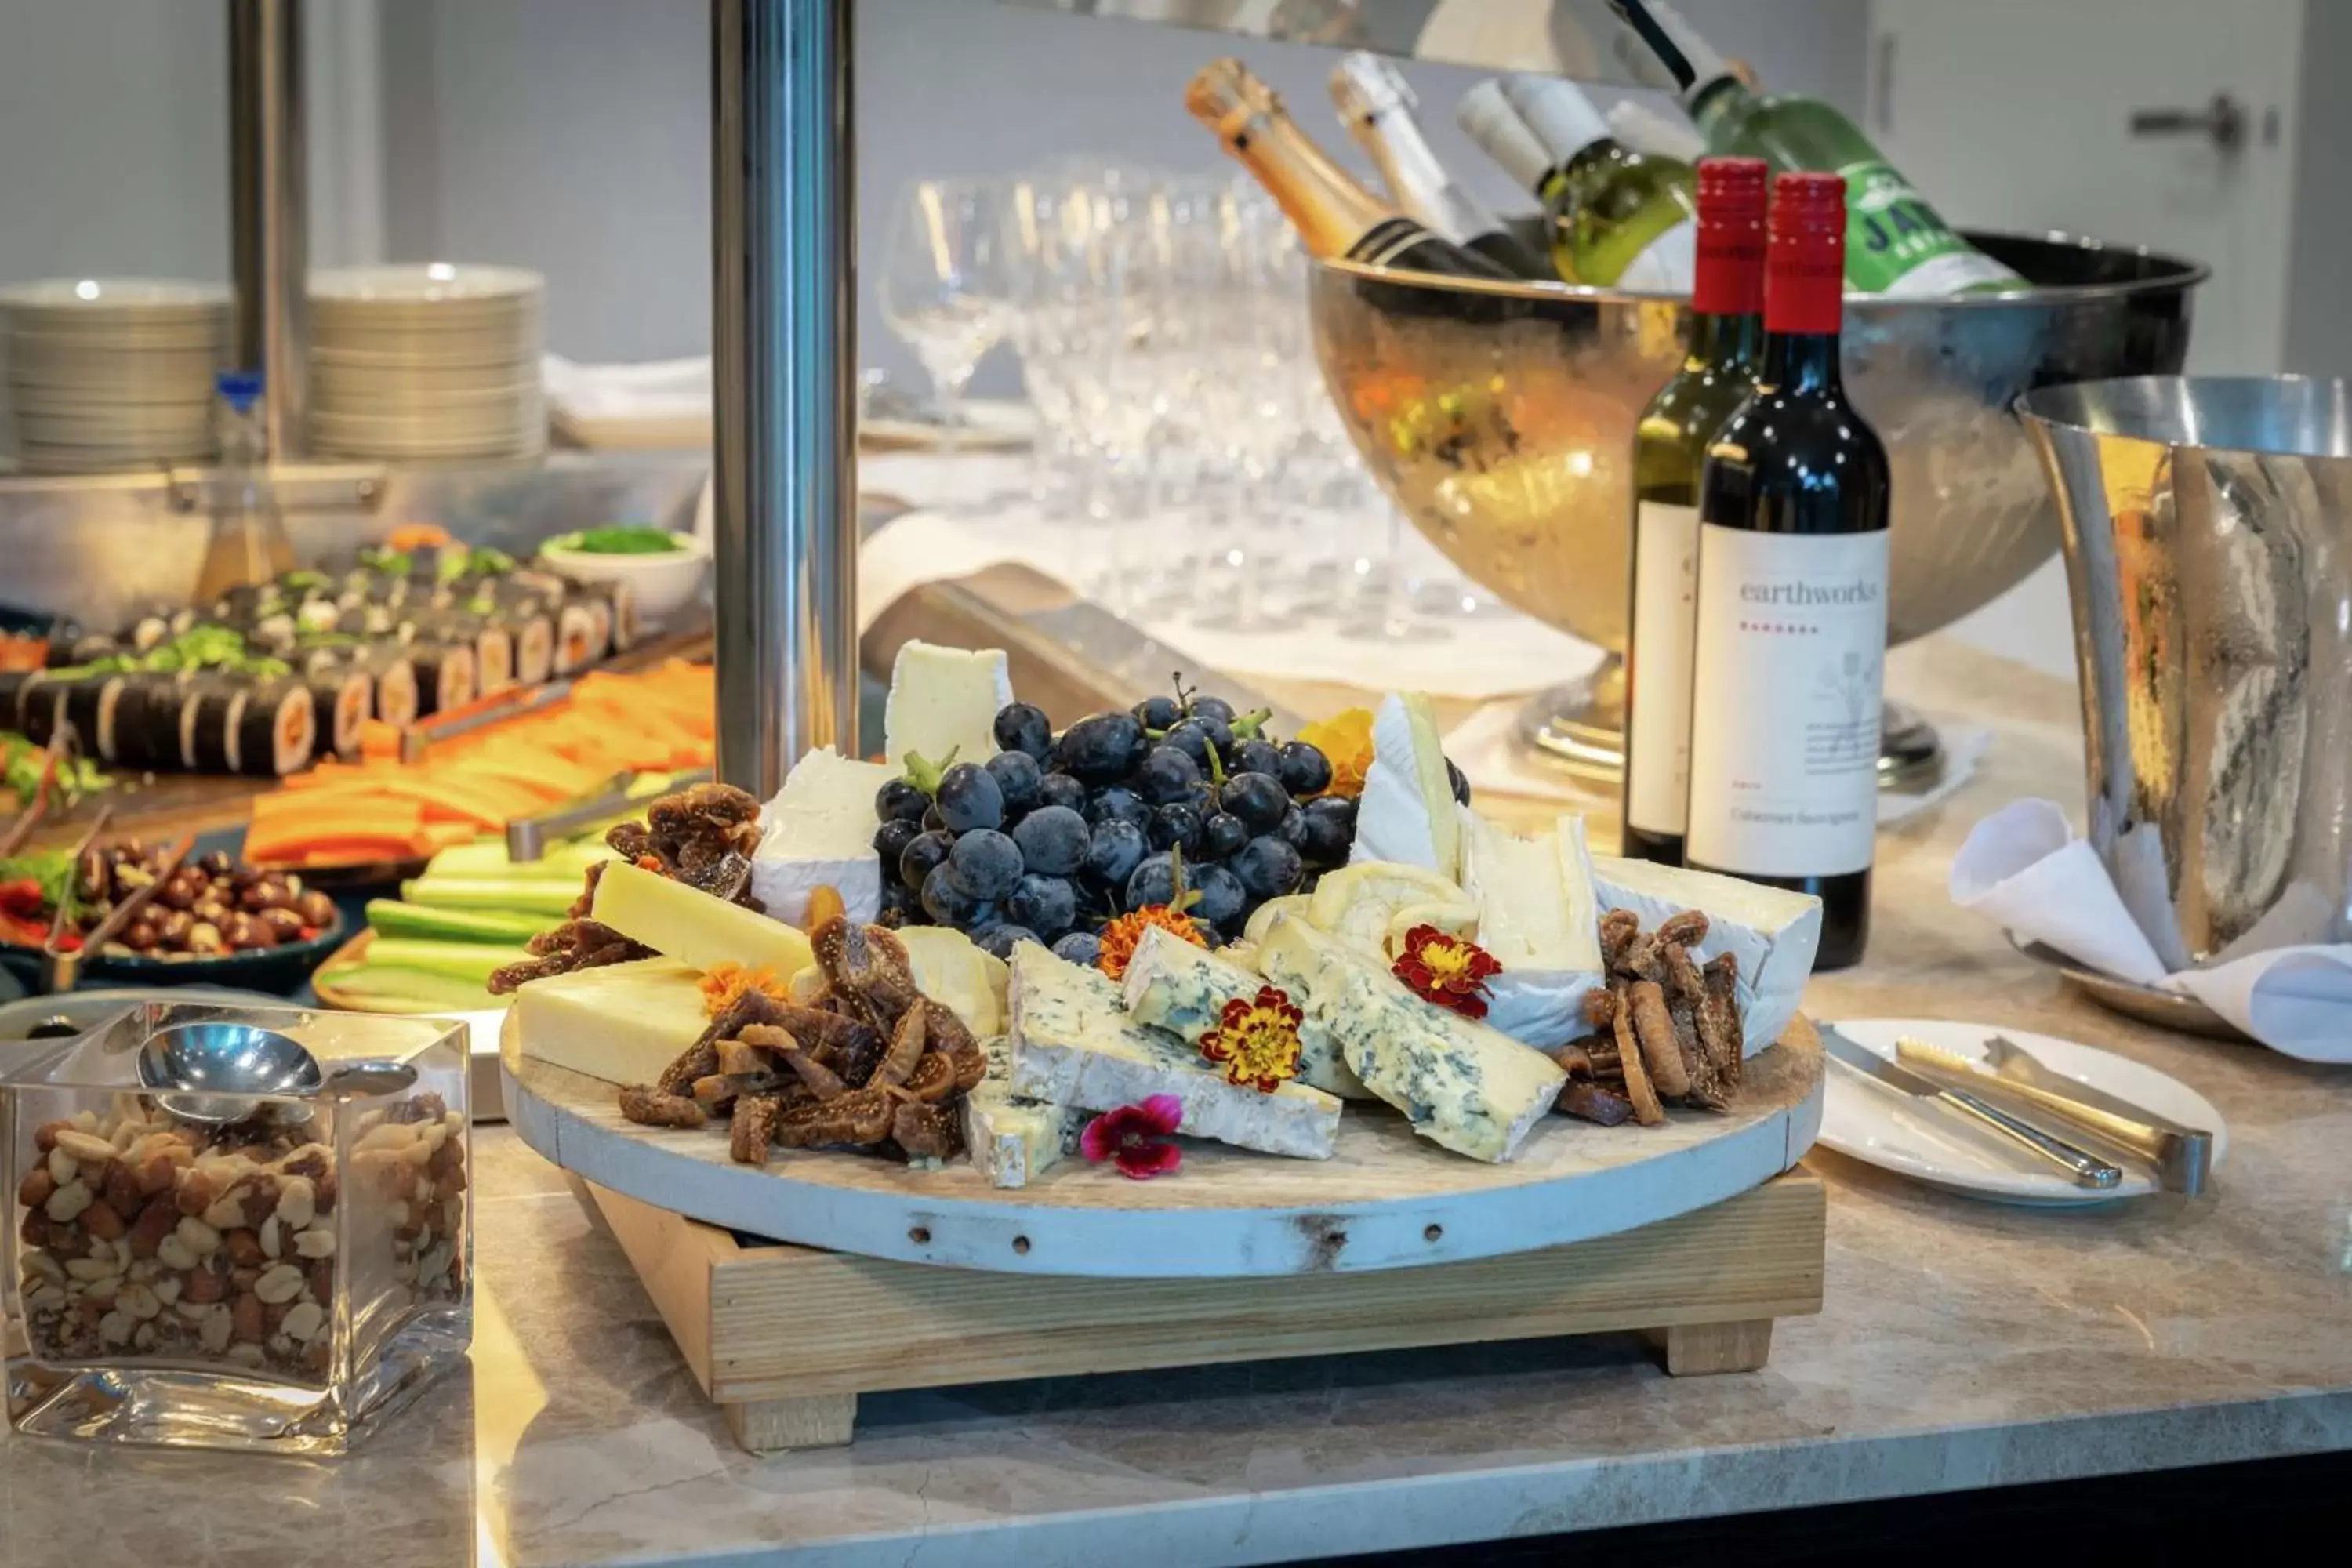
[
  {"x": 1014, "y": 1138},
  {"x": 1463, "y": 1086},
  {"x": 1771, "y": 933},
  {"x": 1073, "y": 1043},
  {"x": 820, "y": 834},
  {"x": 1535, "y": 916},
  {"x": 1173, "y": 985},
  {"x": 1408, "y": 812},
  {"x": 943, "y": 701}
]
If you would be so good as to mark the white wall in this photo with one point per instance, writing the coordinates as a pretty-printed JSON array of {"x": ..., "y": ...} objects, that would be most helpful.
[
  {"x": 573, "y": 135},
  {"x": 113, "y": 139}
]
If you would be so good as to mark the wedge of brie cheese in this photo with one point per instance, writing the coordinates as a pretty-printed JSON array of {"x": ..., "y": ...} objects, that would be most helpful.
[
  {"x": 951, "y": 970},
  {"x": 1407, "y": 813},
  {"x": 1461, "y": 1085},
  {"x": 690, "y": 925},
  {"x": 1771, "y": 933},
  {"x": 1535, "y": 917},
  {"x": 820, "y": 832},
  {"x": 944, "y": 699},
  {"x": 1014, "y": 1138},
  {"x": 623, "y": 1023},
  {"x": 1073, "y": 1043},
  {"x": 1173, "y": 985}
]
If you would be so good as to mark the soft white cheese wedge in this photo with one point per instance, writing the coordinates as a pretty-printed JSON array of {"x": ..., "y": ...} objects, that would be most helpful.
[
  {"x": 1771, "y": 933},
  {"x": 1013, "y": 1138},
  {"x": 1545, "y": 937},
  {"x": 1364, "y": 903},
  {"x": 944, "y": 699},
  {"x": 690, "y": 925},
  {"x": 623, "y": 1023},
  {"x": 1461, "y": 1085},
  {"x": 1172, "y": 984},
  {"x": 951, "y": 970},
  {"x": 820, "y": 832},
  {"x": 1407, "y": 812},
  {"x": 1073, "y": 1043}
]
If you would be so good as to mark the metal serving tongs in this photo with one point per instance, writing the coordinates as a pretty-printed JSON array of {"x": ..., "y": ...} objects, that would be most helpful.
[
  {"x": 529, "y": 837},
  {"x": 13, "y": 838},
  {"x": 61, "y": 970},
  {"x": 2181, "y": 1157}
]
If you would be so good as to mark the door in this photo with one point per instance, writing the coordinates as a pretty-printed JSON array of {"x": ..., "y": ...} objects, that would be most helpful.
[{"x": 2019, "y": 114}]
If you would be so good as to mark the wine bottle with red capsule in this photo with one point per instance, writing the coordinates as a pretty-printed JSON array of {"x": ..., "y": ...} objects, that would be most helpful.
[
  {"x": 1791, "y": 635},
  {"x": 1670, "y": 443}
]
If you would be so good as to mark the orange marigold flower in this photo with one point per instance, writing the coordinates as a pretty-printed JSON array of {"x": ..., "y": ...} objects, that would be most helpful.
[
  {"x": 1257, "y": 1039},
  {"x": 1346, "y": 740},
  {"x": 1121, "y": 936},
  {"x": 724, "y": 984},
  {"x": 1446, "y": 970}
]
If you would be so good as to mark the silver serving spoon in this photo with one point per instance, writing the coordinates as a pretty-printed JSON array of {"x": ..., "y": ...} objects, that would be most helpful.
[{"x": 210, "y": 1072}]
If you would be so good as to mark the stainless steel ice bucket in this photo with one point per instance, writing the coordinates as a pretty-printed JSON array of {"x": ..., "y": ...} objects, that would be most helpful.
[
  {"x": 2208, "y": 530},
  {"x": 1500, "y": 416}
]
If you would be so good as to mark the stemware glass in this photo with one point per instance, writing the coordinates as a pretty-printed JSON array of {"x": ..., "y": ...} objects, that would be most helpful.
[{"x": 945, "y": 286}]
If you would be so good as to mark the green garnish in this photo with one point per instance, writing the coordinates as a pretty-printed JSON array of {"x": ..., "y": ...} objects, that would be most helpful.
[
  {"x": 20, "y": 774},
  {"x": 621, "y": 542},
  {"x": 53, "y": 870},
  {"x": 925, "y": 774}
]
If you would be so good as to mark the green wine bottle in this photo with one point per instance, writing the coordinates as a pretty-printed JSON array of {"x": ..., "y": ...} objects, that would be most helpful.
[
  {"x": 1896, "y": 242},
  {"x": 1617, "y": 219},
  {"x": 1670, "y": 443}
]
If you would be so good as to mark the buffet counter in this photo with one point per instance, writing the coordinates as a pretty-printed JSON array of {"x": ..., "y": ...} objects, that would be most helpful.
[{"x": 1962, "y": 1346}]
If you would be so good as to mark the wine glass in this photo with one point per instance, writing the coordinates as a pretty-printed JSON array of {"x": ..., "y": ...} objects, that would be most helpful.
[{"x": 945, "y": 286}]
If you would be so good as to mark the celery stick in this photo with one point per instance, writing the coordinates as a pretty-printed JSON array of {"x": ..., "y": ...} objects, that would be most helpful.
[
  {"x": 406, "y": 990},
  {"x": 389, "y": 917},
  {"x": 505, "y": 893},
  {"x": 470, "y": 960}
]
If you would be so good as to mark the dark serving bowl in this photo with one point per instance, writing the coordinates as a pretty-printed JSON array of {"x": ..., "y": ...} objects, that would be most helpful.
[{"x": 279, "y": 971}]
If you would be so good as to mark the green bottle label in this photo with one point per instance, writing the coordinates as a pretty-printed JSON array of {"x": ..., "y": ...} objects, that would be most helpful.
[{"x": 1897, "y": 244}]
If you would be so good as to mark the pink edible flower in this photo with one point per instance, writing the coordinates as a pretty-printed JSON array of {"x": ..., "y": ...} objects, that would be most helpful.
[{"x": 1134, "y": 1137}]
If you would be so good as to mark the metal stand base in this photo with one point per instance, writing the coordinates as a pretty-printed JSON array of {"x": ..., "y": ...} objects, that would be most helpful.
[{"x": 1579, "y": 731}]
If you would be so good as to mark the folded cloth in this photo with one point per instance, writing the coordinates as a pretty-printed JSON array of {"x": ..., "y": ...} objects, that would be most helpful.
[{"x": 2023, "y": 866}]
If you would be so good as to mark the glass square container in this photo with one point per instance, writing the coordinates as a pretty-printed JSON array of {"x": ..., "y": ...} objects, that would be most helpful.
[{"x": 268, "y": 1272}]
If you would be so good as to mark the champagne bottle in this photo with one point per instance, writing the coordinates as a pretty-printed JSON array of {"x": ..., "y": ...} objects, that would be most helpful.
[
  {"x": 1376, "y": 104},
  {"x": 1670, "y": 443},
  {"x": 1333, "y": 214},
  {"x": 1617, "y": 219},
  {"x": 1792, "y": 599},
  {"x": 1896, "y": 242}
]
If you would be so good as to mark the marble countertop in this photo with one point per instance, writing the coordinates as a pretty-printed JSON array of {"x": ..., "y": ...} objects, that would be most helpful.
[{"x": 1962, "y": 1346}]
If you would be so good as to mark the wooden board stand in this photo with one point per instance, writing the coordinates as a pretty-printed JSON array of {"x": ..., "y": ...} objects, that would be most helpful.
[{"x": 785, "y": 1338}]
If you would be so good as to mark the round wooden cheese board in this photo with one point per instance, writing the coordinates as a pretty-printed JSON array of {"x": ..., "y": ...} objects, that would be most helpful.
[{"x": 1387, "y": 1199}]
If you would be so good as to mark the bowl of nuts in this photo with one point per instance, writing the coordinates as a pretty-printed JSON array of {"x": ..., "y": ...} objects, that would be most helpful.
[
  {"x": 272, "y": 1269},
  {"x": 210, "y": 917}
]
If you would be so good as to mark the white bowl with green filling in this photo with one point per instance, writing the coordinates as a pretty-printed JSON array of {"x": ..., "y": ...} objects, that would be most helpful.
[{"x": 664, "y": 570}]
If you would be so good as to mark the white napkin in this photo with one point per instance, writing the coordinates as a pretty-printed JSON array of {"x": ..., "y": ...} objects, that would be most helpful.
[{"x": 2023, "y": 866}]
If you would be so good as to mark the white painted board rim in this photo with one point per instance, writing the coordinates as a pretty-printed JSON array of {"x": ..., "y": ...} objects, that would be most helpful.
[{"x": 952, "y": 1219}]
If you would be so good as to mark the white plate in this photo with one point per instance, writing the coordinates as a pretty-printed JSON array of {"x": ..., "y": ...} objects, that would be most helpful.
[
  {"x": 153, "y": 296},
  {"x": 423, "y": 282},
  {"x": 1881, "y": 1127}
]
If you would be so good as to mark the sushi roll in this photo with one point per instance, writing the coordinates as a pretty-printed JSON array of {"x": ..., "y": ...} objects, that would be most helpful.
[
  {"x": 159, "y": 626},
  {"x": 575, "y": 637},
  {"x": 445, "y": 676},
  {"x": 16, "y": 687},
  {"x": 144, "y": 731},
  {"x": 620, "y": 606},
  {"x": 341, "y": 699},
  {"x": 212, "y": 713},
  {"x": 88, "y": 648},
  {"x": 493, "y": 645},
  {"x": 39, "y": 707},
  {"x": 90, "y": 706},
  {"x": 534, "y": 645},
  {"x": 276, "y": 730}
]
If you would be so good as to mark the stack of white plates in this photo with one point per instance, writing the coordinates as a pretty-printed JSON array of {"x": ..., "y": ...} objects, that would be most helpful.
[
  {"x": 112, "y": 374},
  {"x": 426, "y": 360}
]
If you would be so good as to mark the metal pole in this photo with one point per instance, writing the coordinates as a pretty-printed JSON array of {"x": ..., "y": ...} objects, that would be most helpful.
[
  {"x": 784, "y": 339},
  {"x": 270, "y": 209}
]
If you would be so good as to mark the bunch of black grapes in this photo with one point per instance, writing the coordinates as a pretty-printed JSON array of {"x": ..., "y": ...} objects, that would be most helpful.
[{"x": 1051, "y": 838}]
